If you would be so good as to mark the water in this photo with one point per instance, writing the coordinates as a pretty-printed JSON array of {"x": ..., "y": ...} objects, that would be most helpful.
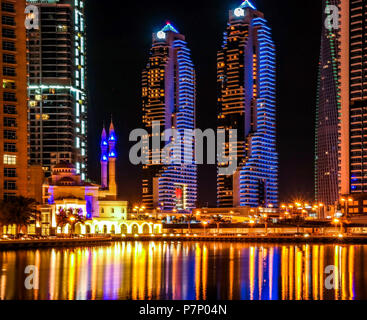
[{"x": 187, "y": 270}]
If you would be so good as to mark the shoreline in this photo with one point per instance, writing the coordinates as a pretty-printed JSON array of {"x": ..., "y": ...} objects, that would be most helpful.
[{"x": 75, "y": 242}]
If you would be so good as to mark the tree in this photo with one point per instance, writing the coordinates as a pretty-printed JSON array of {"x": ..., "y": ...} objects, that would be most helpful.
[
  {"x": 61, "y": 218},
  {"x": 217, "y": 220},
  {"x": 189, "y": 218},
  {"x": 19, "y": 211},
  {"x": 70, "y": 216},
  {"x": 76, "y": 216}
]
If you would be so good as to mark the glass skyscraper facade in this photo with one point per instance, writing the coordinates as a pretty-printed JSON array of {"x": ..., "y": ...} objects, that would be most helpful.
[
  {"x": 57, "y": 85},
  {"x": 327, "y": 114},
  {"x": 169, "y": 101},
  {"x": 341, "y": 134},
  {"x": 247, "y": 102}
]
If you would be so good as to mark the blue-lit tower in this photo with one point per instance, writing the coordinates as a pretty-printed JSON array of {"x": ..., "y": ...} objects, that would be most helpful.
[
  {"x": 104, "y": 159},
  {"x": 169, "y": 97},
  {"x": 246, "y": 102},
  {"x": 112, "y": 160}
]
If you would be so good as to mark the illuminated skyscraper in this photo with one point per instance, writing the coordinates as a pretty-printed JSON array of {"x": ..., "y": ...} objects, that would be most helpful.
[
  {"x": 57, "y": 85},
  {"x": 353, "y": 92},
  {"x": 328, "y": 108},
  {"x": 342, "y": 105},
  {"x": 13, "y": 99},
  {"x": 246, "y": 102},
  {"x": 168, "y": 93}
]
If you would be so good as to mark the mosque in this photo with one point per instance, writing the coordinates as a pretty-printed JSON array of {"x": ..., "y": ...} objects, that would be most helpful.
[{"x": 105, "y": 214}]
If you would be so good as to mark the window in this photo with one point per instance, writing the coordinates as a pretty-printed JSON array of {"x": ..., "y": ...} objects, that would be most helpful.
[
  {"x": 10, "y": 159},
  {"x": 112, "y": 210},
  {"x": 9, "y": 84},
  {"x": 10, "y": 122},
  {"x": 8, "y": 33},
  {"x": 10, "y": 96},
  {"x": 7, "y": 45},
  {"x": 10, "y": 185},
  {"x": 9, "y": 109},
  {"x": 8, "y": 7},
  {"x": 8, "y": 195},
  {"x": 9, "y": 71},
  {"x": 10, "y": 172},
  {"x": 8, "y": 20},
  {"x": 10, "y": 134},
  {"x": 102, "y": 210},
  {"x": 10, "y": 147}
]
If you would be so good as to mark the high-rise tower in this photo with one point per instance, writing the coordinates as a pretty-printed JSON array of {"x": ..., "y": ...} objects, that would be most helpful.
[
  {"x": 327, "y": 115},
  {"x": 13, "y": 100},
  {"x": 169, "y": 97},
  {"x": 57, "y": 85},
  {"x": 246, "y": 102},
  {"x": 342, "y": 106},
  {"x": 353, "y": 92}
]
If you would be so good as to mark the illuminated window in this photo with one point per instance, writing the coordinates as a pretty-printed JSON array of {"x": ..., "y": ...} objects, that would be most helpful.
[
  {"x": 33, "y": 103},
  {"x": 10, "y": 159},
  {"x": 9, "y": 84}
]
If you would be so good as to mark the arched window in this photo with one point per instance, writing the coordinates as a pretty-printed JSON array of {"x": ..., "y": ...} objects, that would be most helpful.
[
  {"x": 123, "y": 228},
  {"x": 134, "y": 229},
  {"x": 146, "y": 229}
]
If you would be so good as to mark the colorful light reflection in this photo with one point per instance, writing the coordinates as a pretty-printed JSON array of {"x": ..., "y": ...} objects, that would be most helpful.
[{"x": 176, "y": 270}]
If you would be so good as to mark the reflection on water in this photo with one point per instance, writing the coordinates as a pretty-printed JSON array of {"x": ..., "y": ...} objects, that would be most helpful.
[{"x": 174, "y": 270}]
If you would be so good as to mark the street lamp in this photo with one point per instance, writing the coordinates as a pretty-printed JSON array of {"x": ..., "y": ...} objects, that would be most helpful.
[
  {"x": 205, "y": 223},
  {"x": 252, "y": 222},
  {"x": 139, "y": 209},
  {"x": 336, "y": 221},
  {"x": 266, "y": 223}
]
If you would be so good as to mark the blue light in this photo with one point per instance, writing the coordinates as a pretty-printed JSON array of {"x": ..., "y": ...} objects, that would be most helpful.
[
  {"x": 247, "y": 4},
  {"x": 104, "y": 158},
  {"x": 112, "y": 138},
  {"x": 169, "y": 27},
  {"x": 104, "y": 143},
  {"x": 112, "y": 154}
]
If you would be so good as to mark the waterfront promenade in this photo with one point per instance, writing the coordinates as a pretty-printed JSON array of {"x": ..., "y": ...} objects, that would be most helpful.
[{"x": 243, "y": 238}]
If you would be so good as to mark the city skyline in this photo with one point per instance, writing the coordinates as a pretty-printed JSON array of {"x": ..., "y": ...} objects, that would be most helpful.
[
  {"x": 181, "y": 151},
  {"x": 204, "y": 117}
]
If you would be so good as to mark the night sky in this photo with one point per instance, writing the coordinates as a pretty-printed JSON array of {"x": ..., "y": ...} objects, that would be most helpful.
[{"x": 119, "y": 39}]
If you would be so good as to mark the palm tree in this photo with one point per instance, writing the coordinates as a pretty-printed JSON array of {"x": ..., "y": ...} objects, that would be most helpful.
[
  {"x": 61, "y": 218},
  {"x": 217, "y": 220},
  {"x": 189, "y": 218},
  {"x": 69, "y": 216},
  {"x": 75, "y": 216},
  {"x": 19, "y": 211}
]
